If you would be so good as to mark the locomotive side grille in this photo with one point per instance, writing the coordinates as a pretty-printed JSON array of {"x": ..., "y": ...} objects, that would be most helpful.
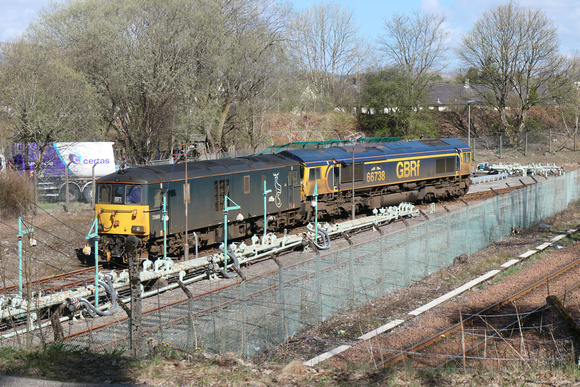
[{"x": 221, "y": 189}]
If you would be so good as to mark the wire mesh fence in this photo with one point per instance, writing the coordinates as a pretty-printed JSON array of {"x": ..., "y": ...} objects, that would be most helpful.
[
  {"x": 530, "y": 142},
  {"x": 259, "y": 313}
]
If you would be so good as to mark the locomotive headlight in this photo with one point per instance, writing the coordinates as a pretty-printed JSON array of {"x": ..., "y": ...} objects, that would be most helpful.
[
  {"x": 240, "y": 217},
  {"x": 137, "y": 229},
  {"x": 271, "y": 199}
]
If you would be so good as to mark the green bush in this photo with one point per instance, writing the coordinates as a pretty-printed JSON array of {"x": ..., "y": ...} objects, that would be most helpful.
[{"x": 16, "y": 194}]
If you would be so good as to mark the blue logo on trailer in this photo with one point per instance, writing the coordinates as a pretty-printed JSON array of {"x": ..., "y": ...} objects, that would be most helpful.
[{"x": 75, "y": 158}]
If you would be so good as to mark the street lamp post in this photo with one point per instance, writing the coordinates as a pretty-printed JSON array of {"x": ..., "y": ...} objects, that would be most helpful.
[
  {"x": 186, "y": 198},
  {"x": 469, "y": 122},
  {"x": 353, "y": 139},
  {"x": 315, "y": 205}
]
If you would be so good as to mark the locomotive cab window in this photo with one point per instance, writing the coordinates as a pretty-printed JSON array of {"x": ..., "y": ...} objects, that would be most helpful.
[
  {"x": 247, "y": 184},
  {"x": 118, "y": 194},
  {"x": 133, "y": 194},
  {"x": 157, "y": 198},
  {"x": 467, "y": 157},
  {"x": 293, "y": 178},
  {"x": 104, "y": 194},
  {"x": 314, "y": 174}
]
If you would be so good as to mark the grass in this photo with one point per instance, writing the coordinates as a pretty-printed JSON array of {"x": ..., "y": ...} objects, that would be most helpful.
[
  {"x": 59, "y": 206},
  {"x": 57, "y": 362},
  {"x": 169, "y": 367}
]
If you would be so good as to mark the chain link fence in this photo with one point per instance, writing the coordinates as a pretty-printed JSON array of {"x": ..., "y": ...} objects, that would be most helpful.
[
  {"x": 531, "y": 142},
  {"x": 259, "y": 313}
]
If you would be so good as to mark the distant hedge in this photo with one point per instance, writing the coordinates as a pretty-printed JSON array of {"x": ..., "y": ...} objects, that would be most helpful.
[{"x": 16, "y": 194}]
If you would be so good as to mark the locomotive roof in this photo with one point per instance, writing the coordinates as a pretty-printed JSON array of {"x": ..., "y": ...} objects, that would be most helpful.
[
  {"x": 370, "y": 152},
  {"x": 196, "y": 169}
]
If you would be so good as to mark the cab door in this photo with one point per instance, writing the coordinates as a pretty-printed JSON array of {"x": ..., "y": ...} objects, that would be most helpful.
[{"x": 294, "y": 187}]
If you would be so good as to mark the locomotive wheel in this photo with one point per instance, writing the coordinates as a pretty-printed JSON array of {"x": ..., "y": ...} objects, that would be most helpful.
[{"x": 74, "y": 193}]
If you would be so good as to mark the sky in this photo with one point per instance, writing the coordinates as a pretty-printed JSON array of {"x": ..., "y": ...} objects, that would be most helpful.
[{"x": 370, "y": 15}]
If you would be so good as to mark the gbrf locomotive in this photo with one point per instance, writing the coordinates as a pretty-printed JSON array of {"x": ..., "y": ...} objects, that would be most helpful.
[{"x": 130, "y": 201}]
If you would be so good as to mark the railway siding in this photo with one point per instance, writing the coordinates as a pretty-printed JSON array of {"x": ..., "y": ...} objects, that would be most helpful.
[
  {"x": 436, "y": 302},
  {"x": 305, "y": 289}
]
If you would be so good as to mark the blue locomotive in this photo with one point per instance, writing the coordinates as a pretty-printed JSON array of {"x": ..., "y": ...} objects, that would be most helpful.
[{"x": 132, "y": 201}]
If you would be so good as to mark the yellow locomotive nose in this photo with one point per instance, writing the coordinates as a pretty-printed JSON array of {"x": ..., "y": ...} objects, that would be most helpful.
[{"x": 122, "y": 219}]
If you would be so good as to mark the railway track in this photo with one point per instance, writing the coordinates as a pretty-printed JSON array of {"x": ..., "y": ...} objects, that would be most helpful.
[
  {"x": 55, "y": 283},
  {"x": 451, "y": 343},
  {"x": 63, "y": 282}
]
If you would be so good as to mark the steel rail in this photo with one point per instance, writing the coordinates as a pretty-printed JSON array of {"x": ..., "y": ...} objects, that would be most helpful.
[
  {"x": 455, "y": 327},
  {"x": 520, "y": 318},
  {"x": 45, "y": 280},
  {"x": 272, "y": 245}
]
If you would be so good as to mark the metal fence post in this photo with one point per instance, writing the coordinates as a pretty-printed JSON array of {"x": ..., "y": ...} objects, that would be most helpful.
[
  {"x": 383, "y": 273},
  {"x": 318, "y": 287},
  {"x": 350, "y": 277},
  {"x": 191, "y": 336},
  {"x": 243, "y": 301},
  {"x": 136, "y": 308},
  {"x": 426, "y": 249},
  {"x": 66, "y": 189},
  {"x": 407, "y": 281},
  {"x": 282, "y": 310}
]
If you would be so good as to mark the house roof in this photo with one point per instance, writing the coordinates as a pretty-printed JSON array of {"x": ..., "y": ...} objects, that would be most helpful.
[{"x": 447, "y": 94}]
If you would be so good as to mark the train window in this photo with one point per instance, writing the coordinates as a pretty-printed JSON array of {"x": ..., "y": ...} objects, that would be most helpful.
[
  {"x": 314, "y": 174},
  {"x": 467, "y": 157},
  {"x": 295, "y": 180},
  {"x": 157, "y": 198},
  {"x": 133, "y": 194},
  {"x": 104, "y": 193},
  {"x": 247, "y": 184},
  {"x": 221, "y": 188},
  {"x": 118, "y": 194},
  {"x": 262, "y": 180}
]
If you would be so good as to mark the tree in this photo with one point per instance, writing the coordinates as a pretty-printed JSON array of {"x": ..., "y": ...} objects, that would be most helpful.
[
  {"x": 515, "y": 51},
  {"x": 385, "y": 94},
  {"x": 242, "y": 67},
  {"x": 416, "y": 46},
  {"x": 165, "y": 68},
  {"x": 138, "y": 56},
  {"x": 326, "y": 45},
  {"x": 44, "y": 99}
]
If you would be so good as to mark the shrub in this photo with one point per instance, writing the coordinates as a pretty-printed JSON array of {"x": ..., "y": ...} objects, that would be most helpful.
[{"x": 16, "y": 194}]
